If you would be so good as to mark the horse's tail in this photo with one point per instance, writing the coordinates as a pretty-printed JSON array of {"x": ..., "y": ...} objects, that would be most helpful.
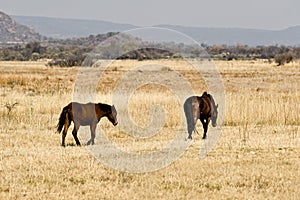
[
  {"x": 188, "y": 111},
  {"x": 62, "y": 119}
]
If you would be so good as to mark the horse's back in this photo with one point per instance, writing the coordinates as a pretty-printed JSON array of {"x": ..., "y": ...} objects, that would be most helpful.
[
  {"x": 82, "y": 106},
  {"x": 85, "y": 114},
  {"x": 196, "y": 104}
]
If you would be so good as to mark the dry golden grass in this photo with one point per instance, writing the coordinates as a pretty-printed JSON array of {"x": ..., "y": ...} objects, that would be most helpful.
[{"x": 257, "y": 155}]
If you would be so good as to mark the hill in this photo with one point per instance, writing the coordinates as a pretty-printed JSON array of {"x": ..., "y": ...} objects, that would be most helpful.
[
  {"x": 69, "y": 28},
  {"x": 13, "y": 32},
  {"x": 234, "y": 36}
]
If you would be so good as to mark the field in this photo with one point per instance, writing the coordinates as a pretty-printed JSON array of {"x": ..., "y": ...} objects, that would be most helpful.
[{"x": 257, "y": 155}]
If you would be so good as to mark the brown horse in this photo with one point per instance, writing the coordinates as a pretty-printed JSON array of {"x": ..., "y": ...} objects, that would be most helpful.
[
  {"x": 84, "y": 115},
  {"x": 203, "y": 108}
]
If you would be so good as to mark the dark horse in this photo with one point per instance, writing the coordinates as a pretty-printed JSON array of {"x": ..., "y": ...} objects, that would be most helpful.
[
  {"x": 84, "y": 114},
  {"x": 203, "y": 108}
]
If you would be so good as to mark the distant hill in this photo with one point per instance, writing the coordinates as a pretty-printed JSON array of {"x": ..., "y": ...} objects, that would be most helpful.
[
  {"x": 234, "y": 36},
  {"x": 13, "y": 32},
  {"x": 68, "y": 28}
]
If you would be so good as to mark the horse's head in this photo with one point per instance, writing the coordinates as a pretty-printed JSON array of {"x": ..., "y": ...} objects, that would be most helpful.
[
  {"x": 112, "y": 115},
  {"x": 214, "y": 116}
]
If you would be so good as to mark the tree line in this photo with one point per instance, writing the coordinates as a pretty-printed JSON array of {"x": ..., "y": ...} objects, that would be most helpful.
[{"x": 72, "y": 52}]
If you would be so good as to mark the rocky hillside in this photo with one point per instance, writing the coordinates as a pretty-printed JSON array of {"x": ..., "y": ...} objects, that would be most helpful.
[{"x": 11, "y": 32}]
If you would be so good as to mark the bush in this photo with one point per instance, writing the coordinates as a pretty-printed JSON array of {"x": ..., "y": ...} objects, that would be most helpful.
[{"x": 283, "y": 58}]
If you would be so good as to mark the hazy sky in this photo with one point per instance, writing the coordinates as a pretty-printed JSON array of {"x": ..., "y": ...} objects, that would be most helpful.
[{"x": 262, "y": 14}]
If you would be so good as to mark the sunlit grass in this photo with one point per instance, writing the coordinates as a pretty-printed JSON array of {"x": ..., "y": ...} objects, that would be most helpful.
[{"x": 256, "y": 157}]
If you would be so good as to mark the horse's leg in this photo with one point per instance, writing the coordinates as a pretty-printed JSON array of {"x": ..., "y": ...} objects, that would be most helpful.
[
  {"x": 93, "y": 133},
  {"x": 191, "y": 126},
  {"x": 190, "y": 129},
  {"x": 63, "y": 137},
  {"x": 74, "y": 133},
  {"x": 205, "y": 126},
  {"x": 65, "y": 131}
]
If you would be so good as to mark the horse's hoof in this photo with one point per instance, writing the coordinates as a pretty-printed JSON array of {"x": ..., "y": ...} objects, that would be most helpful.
[{"x": 203, "y": 138}]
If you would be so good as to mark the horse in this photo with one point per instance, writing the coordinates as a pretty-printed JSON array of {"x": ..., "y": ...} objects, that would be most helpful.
[
  {"x": 84, "y": 115},
  {"x": 203, "y": 108}
]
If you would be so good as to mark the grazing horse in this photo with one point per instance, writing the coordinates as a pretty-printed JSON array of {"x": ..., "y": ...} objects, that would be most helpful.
[
  {"x": 84, "y": 115},
  {"x": 203, "y": 108}
]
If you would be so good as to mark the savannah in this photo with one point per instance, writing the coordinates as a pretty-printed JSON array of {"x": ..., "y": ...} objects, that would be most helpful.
[{"x": 257, "y": 154}]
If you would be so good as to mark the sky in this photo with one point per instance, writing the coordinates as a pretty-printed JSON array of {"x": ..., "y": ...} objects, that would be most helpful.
[{"x": 257, "y": 14}]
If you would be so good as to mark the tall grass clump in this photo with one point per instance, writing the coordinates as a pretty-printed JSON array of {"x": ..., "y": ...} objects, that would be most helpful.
[{"x": 269, "y": 108}]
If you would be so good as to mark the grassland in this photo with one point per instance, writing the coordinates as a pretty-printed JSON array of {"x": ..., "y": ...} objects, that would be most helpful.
[{"x": 257, "y": 155}]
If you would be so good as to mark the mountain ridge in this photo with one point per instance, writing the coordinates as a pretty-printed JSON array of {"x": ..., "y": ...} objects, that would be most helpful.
[
  {"x": 69, "y": 28},
  {"x": 74, "y": 28},
  {"x": 245, "y": 36}
]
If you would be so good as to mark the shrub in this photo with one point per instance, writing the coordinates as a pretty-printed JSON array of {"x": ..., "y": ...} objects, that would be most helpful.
[{"x": 283, "y": 58}]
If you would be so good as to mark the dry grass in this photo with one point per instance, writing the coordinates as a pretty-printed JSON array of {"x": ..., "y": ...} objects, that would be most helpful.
[{"x": 257, "y": 155}]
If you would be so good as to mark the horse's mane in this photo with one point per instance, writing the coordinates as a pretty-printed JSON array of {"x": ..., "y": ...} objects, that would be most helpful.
[{"x": 104, "y": 107}]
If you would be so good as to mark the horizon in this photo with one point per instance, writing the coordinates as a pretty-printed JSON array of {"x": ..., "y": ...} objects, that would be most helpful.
[
  {"x": 256, "y": 14},
  {"x": 155, "y": 25},
  {"x": 55, "y": 27}
]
